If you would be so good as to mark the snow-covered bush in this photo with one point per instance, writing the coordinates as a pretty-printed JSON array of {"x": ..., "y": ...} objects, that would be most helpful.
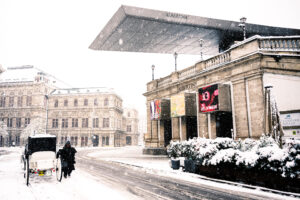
[
  {"x": 247, "y": 144},
  {"x": 292, "y": 165},
  {"x": 246, "y": 159},
  {"x": 271, "y": 158},
  {"x": 189, "y": 149},
  {"x": 224, "y": 143},
  {"x": 262, "y": 155},
  {"x": 226, "y": 156},
  {"x": 174, "y": 149}
]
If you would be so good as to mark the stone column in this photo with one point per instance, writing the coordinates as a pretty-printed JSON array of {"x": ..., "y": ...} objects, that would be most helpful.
[
  {"x": 202, "y": 124},
  {"x": 162, "y": 134},
  {"x": 154, "y": 135},
  {"x": 149, "y": 127},
  {"x": 213, "y": 125},
  {"x": 175, "y": 129},
  {"x": 183, "y": 129}
]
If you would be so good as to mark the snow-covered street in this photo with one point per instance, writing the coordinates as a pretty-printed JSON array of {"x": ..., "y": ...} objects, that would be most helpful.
[
  {"x": 80, "y": 186},
  {"x": 117, "y": 173}
]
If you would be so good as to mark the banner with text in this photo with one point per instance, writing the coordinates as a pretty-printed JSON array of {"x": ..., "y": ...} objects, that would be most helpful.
[{"x": 208, "y": 98}]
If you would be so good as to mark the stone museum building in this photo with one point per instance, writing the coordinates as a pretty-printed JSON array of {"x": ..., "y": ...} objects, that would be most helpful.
[
  {"x": 224, "y": 96},
  {"x": 243, "y": 71},
  {"x": 34, "y": 101}
]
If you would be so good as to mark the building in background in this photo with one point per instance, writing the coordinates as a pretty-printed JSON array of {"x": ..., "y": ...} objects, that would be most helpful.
[
  {"x": 34, "y": 101},
  {"x": 131, "y": 126}
]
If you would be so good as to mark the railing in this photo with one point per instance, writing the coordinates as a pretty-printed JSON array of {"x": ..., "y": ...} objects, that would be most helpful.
[
  {"x": 219, "y": 59},
  {"x": 164, "y": 81},
  {"x": 187, "y": 72},
  {"x": 292, "y": 43}
]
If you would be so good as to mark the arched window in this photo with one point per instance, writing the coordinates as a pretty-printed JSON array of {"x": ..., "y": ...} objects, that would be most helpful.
[
  {"x": 56, "y": 103},
  {"x": 106, "y": 102}
]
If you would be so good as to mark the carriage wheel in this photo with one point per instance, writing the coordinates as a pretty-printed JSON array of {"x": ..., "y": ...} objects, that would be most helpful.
[
  {"x": 26, "y": 172},
  {"x": 58, "y": 169}
]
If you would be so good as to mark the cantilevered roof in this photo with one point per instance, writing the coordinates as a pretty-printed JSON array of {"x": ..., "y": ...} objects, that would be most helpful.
[{"x": 135, "y": 29}]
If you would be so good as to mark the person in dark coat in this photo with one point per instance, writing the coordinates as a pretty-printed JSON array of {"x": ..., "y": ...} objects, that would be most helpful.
[{"x": 68, "y": 158}]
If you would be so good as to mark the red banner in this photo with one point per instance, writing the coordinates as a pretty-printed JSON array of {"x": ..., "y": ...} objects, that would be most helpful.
[{"x": 208, "y": 98}]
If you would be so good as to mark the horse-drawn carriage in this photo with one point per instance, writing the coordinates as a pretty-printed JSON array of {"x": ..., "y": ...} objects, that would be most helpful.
[{"x": 39, "y": 157}]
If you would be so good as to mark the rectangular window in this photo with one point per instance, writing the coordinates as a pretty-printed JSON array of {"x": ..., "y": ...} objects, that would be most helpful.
[
  {"x": 2, "y": 101},
  {"x": 105, "y": 122},
  {"x": 54, "y": 123},
  {"x": 9, "y": 122},
  {"x": 85, "y": 123},
  {"x": 27, "y": 121},
  {"x": 76, "y": 140},
  {"x": 62, "y": 140},
  {"x": 28, "y": 101},
  {"x": 18, "y": 122},
  {"x": 74, "y": 122},
  {"x": 95, "y": 123},
  {"x": 86, "y": 102},
  {"x": 95, "y": 102},
  {"x": 128, "y": 128},
  {"x": 64, "y": 123},
  {"x": 103, "y": 141},
  {"x": 20, "y": 101},
  {"x": 75, "y": 102},
  {"x": 11, "y": 101},
  {"x": 65, "y": 103}
]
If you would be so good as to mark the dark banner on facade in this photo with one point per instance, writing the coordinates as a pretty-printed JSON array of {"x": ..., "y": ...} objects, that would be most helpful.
[
  {"x": 208, "y": 98},
  {"x": 155, "y": 109}
]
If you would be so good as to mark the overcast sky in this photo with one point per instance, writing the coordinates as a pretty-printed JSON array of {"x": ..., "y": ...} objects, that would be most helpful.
[{"x": 55, "y": 35}]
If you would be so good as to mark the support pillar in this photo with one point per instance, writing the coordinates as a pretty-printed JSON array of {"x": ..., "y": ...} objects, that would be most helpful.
[{"x": 175, "y": 129}]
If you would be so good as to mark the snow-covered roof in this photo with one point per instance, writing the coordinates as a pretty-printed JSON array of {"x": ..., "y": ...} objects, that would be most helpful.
[
  {"x": 42, "y": 136},
  {"x": 27, "y": 73},
  {"x": 19, "y": 74}
]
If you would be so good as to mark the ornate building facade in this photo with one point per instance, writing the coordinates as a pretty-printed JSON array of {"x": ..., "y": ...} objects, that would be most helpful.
[{"x": 33, "y": 101}]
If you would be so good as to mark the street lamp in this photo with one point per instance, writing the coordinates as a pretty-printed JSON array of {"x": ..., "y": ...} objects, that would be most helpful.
[
  {"x": 243, "y": 26},
  {"x": 201, "y": 45},
  {"x": 153, "y": 67},
  {"x": 175, "y": 56}
]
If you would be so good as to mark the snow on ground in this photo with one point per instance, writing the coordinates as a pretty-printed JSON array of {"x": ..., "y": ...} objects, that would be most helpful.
[
  {"x": 80, "y": 186},
  {"x": 160, "y": 165}
]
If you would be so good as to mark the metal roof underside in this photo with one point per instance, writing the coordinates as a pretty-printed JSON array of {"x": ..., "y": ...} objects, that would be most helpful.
[{"x": 135, "y": 29}]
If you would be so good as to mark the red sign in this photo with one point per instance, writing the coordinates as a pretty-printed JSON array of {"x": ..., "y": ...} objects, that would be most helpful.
[{"x": 208, "y": 98}]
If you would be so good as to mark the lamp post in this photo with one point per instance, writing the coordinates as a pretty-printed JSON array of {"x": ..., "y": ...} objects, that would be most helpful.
[
  {"x": 175, "y": 56},
  {"x": 201, "y": 45},
  {"x": 243, "y": 26},
  {"x": 153, "y": 67}
]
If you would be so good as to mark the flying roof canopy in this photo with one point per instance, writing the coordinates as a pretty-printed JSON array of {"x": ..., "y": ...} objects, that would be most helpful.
[{"x": 135, "y": 29}]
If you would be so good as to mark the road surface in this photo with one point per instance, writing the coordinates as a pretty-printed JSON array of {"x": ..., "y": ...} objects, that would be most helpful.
[{"x": 151, "y": 186}]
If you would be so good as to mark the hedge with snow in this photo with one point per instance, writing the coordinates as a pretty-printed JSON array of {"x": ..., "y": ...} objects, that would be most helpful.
[{"x": 263, "y": 154}]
